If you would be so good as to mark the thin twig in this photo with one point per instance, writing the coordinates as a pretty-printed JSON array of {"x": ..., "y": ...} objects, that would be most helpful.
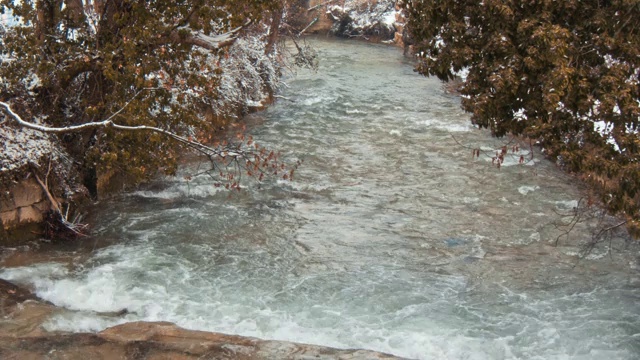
[{"x": 129, "y": 102}]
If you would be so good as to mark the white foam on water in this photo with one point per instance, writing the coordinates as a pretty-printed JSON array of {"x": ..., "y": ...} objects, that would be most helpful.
[
  {"x": 36, "y": 274},
  {"x": 318, "y": 99},
  {"x": 428, "y": 342},
  {"x": 181, "y": 191},
  {"x": 447, "y": 125},
  {"x": 313, "y": 100},
  {"x": 108, "y": 286},
  {"x": 84, "y": 322},
  {"x": 470, "y": 200},
  {"x": 566, "y": 204},
  {"x": 156, "y": 287},
  {"x": 524, "y": 190}
]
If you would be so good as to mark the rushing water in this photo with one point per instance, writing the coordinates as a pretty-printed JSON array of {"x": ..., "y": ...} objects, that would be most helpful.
[{"x": 391, "y": 237}]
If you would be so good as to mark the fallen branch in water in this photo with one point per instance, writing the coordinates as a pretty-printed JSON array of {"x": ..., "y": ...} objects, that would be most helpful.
[{"x": 76, "y": 228}]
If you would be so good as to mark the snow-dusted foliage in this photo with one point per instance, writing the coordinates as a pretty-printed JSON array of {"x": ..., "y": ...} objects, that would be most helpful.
[
  {"x": 564, "y": 73},
  {"x": 122, "y": 88},
  {"x": 182, "y": 68},
  {"x": 248, "y": 75}
]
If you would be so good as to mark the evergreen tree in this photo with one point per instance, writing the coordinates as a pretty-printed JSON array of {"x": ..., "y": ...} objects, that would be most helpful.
[
  {"x": 565, "y": 73},
  {"x": 153, "y": 63}
]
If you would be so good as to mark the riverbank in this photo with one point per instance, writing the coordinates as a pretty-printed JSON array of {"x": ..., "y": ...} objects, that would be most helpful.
[
  {"x": 38, "y": 169},
  {"x": 378, "y": 21}
]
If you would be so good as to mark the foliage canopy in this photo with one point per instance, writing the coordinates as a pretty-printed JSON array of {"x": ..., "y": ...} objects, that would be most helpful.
[
  {"x": 153, "y": 63},
  {"x": 565, "y": 73}
]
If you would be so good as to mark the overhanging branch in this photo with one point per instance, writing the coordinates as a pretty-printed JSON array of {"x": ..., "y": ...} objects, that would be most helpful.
[
  {"x": 108, "y": 123},
  {"x": 211, "y": 43}
]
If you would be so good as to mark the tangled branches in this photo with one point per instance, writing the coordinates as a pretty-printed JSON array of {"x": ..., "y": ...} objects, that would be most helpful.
[{"x": 604, "y": 228}]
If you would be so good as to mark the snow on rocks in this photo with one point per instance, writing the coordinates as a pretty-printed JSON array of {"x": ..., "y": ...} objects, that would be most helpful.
[
  {"x": 364, "y": 18},
  {"x": 21, "y": 146}
]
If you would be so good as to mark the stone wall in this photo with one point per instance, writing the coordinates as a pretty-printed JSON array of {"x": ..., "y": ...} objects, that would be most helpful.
[{"x": 22, "y": 209}]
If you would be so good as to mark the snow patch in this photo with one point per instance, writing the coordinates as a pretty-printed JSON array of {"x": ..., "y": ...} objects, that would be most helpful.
[
  {"x": 21, "y": 146},
  {"x": 520, "y": 115},
  {"x": 606, "y": 130},
  {"x": 462, "y": 74},
  {"x": 389, "y": 18}
]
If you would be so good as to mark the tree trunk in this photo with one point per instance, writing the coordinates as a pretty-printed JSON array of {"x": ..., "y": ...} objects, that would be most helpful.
[
  {"x": 274, "y": 30},
  {"x": 76, "y": 10},
  {"x": 46, "y": 11}
]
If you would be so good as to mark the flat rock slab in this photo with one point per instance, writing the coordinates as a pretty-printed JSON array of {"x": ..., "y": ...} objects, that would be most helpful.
[
  {"x": 23, "y": 337},
  {"x": 158, "y": 340}
]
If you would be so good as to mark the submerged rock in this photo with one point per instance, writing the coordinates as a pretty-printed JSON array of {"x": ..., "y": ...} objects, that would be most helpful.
[{"x": 23, "y": 337}]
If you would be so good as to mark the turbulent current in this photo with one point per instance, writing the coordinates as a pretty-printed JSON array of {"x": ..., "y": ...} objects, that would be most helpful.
[{"x": 392, "y": 236}]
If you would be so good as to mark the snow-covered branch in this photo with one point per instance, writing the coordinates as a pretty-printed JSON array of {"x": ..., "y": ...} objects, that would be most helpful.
[
  {"x": 315, "y": 20},
  {"x": 205, "y": 41},
  {"x": 108, "y": 123}
]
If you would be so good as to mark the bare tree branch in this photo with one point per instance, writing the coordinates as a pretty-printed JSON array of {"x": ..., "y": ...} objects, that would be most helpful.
[
  {"x": 315, "y": 20},
  {"x": 75, "y": 226},
  {"x": 54, "y": 203}
]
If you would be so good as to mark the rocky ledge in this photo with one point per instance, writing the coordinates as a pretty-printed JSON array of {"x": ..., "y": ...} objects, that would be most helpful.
[{"x": 22, "y": 336}]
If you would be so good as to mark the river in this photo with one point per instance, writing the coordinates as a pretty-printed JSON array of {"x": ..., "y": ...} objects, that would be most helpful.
[{"x": 391, "y": 238}]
